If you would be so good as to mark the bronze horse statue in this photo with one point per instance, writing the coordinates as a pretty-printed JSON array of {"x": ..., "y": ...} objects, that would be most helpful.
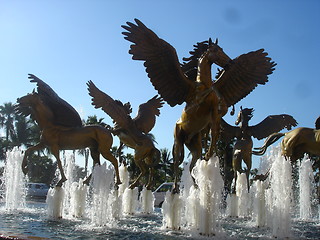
[
  {"x": 132, "y": 132},
  {"x": 242, "y": 150},
  {"x": 207, "y": 101},
  {"x": 61, "y": 128},
  {"x": 295, "y": 143}
]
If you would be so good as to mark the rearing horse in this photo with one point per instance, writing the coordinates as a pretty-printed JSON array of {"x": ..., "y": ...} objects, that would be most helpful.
[
  {"x": 191, "y": 82},
  {"x": 58, "y": 137},
  {"x": 242, "y": 150}
]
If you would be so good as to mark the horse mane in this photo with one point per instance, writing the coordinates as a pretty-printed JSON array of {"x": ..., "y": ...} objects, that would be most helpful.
[
  {"x": 190, "y": 64},
  {"x": 317, "y": 123},
  {"x": 248, "y": 112}
]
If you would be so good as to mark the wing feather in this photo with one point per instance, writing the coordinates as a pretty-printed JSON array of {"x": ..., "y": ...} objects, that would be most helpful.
[
  {"x": 64, "y": 114},
  {"x": 243, "y": 75},
  {"x": 146, "y": 118},
  {"x": 161, "y": 63},
  {"x": 228, "y": 132},
  {"x": 114, "y": 108},
  {"x": 272, "y": 124}
]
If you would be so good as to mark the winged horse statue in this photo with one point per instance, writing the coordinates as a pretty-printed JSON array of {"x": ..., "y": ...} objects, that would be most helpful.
[
  {"x": 61, "y": 128},
  {"x": 133, "y": 132},
  {"x": 242, "y": 150},
  {"x": 295, "y": 143},
  {"x": 207, "y": 100}
]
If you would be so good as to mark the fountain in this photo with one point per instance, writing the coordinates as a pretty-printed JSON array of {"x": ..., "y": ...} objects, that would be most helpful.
[
  {"x": 306, "y": 184},
  {"x": 99, "y": 210}
]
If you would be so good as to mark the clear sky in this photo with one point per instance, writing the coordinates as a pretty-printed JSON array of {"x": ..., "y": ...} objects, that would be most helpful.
[{"x": 67, "y": 43}]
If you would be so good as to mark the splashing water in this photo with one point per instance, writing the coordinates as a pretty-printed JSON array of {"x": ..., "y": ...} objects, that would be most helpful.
[
  {"x": 196, "y": 209},
  {"x": 14, "y": 180},
  {"x": 146, "y": 201},
  {"x": 306, "y": 184},
  {"x": 279, "y": 196},
  {"x": 55, "y": 200},
  {"x": 210, "y": 185},
  {"x": 130, "y": 202},
  {"x": 243, "y": 200},
  {"x": 104, "y": 203}
]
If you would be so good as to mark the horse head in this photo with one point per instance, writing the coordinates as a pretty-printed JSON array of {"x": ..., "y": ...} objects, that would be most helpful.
[
  {"x": 244, "y": 115},
  {"x": 28, "y": 100},
  {"x": 216, "y": 55},
  {"x": 31, "y": 104}
]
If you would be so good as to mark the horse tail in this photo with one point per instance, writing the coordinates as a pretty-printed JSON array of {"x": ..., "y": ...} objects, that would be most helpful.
[
  {"x": 156, "y": 155},
  {"x": 270, "y": 140}
]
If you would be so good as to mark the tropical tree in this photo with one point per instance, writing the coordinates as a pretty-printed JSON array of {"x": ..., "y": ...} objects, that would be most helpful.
[{"x": 7, "y": 118}]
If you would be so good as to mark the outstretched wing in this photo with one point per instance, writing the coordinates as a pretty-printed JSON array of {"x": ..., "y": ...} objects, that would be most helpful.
[
  {"x": 146, "y": 118},
  {"x": 161, "y": 62},
  {"x": 243, "y": 74},
  {"x": 64, "y": 114},
  {"x": 228, "y": 132},
  {"x": 114, "y": 108},
  {"x": 272, "y": 124}
]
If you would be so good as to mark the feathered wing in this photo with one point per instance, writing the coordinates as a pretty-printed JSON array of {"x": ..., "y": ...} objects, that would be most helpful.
[
  {"x": 146, "y": 118},
  {"x": 64, "y": 114},
  {"x": 243, "y": 74},
  {"x": 114, "y": 108},
  {"x": 161, "y": 62},
  {"x": 228, "y": 132},
  {"x": 272, "y": 124}
]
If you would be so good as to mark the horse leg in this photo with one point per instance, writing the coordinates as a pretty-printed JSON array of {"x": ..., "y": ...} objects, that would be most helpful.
[
  {"x": 215, "y": 131},
  {"x": 195, "y": 148},
  {"x": 236, "y": 165},
  {"x": 95, "y": 155},
  {"x": 108, "y": 155},
  {"x": 143, "y": 169},
  {"x": 248, "y": 161},
  {"x": 152, "y": 160},
  {"x": 24, "y": 164},
  {"x": 178, "y": 156},
  {"x": 55, "y": 152}
]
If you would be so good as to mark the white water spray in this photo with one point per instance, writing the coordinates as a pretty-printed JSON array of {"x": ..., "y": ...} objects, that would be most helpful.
[
  {"x": 146, "y": 201},
  {"x": 130, "y": 202},
  {"x": 54, "y": 202},
  {"x": 210, "y": 184},
  {"x": 14, "y": 180},
  {"x": 279, "y": 196},
  {"x": 306, "y": 184},
  {"x": 104, "y": 204}
]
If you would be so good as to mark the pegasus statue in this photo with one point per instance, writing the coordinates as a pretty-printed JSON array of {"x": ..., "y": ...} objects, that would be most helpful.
[
  {"x": 295, "y": 143},
  {"x": 133, "y": 132},
  {"x": 207, "y": 100},
  {"x": 61, "y": 128},
  {"x": 242, "y": 150}
]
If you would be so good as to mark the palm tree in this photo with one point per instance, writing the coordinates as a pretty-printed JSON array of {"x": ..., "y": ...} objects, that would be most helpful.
[
  {"x": 166, "y": 164},
  {"x": 7, "y": 118}
]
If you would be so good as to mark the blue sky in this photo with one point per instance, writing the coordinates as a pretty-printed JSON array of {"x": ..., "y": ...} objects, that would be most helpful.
[{"x": 67, "y": 43}]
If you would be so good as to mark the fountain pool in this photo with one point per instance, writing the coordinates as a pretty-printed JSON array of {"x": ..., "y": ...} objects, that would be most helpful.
[
  {"x": 32, "y": 222},
  {"x": 104, "y": 214}
]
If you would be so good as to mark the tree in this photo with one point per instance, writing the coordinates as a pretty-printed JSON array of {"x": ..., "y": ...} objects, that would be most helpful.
[{"x": 7, "y": 118}]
